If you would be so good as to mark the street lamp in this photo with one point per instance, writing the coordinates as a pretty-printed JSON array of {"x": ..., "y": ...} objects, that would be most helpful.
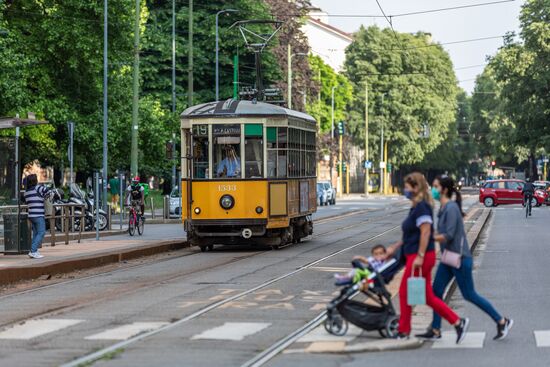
[
  {"x": 218, "y": 50},
  {"x": 289, "y": 91}
]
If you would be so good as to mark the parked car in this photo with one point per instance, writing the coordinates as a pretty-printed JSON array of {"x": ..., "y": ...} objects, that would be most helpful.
[
  {"x": 331, "y": 192},
  {"x": 545, "y": 187},
  {"x": 498, "y": 192},
  {"x": 175, "y": 202},
  {"x": 322, "y": 194}
]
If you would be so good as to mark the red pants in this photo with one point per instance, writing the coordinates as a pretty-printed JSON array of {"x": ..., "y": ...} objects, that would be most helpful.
[{"x": 434, "y": 302}]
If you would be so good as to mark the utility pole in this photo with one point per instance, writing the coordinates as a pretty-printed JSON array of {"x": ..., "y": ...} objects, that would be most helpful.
[
  {"x": 190, "y": 58},
  {"x": 366, "y": 138},
  {"x": 218, "y": 50},
  {"x": 340, "y": 159},
  {"x": 382, "y": 163},
  {"x": 386, "y": 176},
  {"x": 235, "y": 77},
  {"x": 173, "y": 56},
  {"x": 332, "y": 115},
  {"x": 105, "y": 102},
  {"x": 289, "y": 76},
  {"x": 135, "y": 102}
]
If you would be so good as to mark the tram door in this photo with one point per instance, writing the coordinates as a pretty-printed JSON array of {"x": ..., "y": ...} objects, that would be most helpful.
[{"x": 186, "y": 164}]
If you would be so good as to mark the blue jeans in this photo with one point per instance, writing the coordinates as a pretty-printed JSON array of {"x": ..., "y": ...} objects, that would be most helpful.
[
  {"x": 38, "y": 232},
  {"x": 465, "y": 283}
]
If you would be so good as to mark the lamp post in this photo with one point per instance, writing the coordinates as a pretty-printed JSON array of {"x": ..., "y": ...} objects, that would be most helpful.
[
  {"x": 289, "y": 73},
  {"x": 218, "y": 50},
  {"x": 105, "y": 103}
]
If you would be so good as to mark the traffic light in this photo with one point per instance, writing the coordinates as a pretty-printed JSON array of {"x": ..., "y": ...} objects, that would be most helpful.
[
  {"x": 344, "y": 167},
  {"x": 493, "y": 163},
  {"x": 341, "y": 129}
]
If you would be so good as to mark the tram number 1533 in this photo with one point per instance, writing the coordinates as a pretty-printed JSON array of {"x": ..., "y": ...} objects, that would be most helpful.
[{"x": 224, "y": 188}]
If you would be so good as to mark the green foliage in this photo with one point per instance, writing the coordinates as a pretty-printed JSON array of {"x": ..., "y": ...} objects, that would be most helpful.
[
  {"x": 410, "y": 91},
  {"x": 512, "y": 105},
  {"x": 321, "y": 105}
]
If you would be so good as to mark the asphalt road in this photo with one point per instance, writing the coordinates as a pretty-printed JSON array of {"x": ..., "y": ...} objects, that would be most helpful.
[
  {"x": 284, "y": 290},
  {"x": 511, "y": 270}
]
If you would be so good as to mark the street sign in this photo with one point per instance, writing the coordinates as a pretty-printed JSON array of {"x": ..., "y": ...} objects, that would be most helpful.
[
  {"x": 382, "y": 165},
  {"x": 368, "y": 164}
]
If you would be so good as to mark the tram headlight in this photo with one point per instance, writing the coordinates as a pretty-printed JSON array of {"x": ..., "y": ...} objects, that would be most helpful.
[
  {"x": 259, "y": 210},
  {"x": 197, "y": 210},
  {"x": 227, "y": 202}
]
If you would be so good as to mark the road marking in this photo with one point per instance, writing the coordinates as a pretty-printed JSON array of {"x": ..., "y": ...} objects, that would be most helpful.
[
  {"x": 33, "y": 328},
  {"x": 319, "y": 334},
  {"x": 542, "y": 338},
  {"x": 448, "y": 341},
  {"x": 126, "y": 331},
  {"x": 235, "y": 331},
  {"x": 331, "y": 269}
]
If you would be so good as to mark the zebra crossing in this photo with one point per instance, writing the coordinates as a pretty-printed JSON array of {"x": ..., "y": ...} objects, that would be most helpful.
[{"x": 230, "y": 331}]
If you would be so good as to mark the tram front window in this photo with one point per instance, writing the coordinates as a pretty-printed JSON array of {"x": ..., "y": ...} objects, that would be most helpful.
[{"x": 200, "y": 151}]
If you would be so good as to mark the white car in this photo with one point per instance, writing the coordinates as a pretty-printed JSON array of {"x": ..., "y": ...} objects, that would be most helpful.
[
  {"x": 175, "y": 202},
  {"x": 331, "y": 192}
]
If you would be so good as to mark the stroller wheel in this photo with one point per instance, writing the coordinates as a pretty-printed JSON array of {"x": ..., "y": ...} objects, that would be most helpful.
[
  {"x": 336, "y": 325},
  {"x": 392, "y": 326}
]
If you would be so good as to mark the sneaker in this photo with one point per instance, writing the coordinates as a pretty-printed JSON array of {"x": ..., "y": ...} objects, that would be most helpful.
[
  {"x": 430, "y": 334},
  {"x": 502, "y": 330},
  {"x": 35, "y": 255},
  {"x": 402, "y": 336},
  {"x": 462, "y": 329}
]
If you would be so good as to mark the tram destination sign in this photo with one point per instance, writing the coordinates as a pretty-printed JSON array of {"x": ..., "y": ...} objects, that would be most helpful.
[{"x": 226, "y": 130}]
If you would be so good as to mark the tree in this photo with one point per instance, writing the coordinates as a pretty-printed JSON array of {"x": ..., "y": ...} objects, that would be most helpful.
[{"x": 412, "y": 91}]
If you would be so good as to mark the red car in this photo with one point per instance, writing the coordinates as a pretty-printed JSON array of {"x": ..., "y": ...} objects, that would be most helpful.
[{"x": 497, "y": 192}]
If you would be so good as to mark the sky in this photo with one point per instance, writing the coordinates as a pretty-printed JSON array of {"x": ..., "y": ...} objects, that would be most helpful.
[{"x": 454, "y": 25}]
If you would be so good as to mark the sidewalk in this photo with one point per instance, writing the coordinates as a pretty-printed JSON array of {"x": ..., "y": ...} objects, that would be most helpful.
[{"x": 91, "y": 253}]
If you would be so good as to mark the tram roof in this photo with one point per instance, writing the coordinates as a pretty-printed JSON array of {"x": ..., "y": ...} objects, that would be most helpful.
[{"x": 234, "y": 108}]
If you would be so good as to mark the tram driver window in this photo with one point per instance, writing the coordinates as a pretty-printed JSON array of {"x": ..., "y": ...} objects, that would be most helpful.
[{"x": 227, "y": 148}]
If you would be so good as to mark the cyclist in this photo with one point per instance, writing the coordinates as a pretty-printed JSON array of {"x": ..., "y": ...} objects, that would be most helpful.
[
  {"x": 135, "y": 192},
  {"x": 528, "y": 191}
]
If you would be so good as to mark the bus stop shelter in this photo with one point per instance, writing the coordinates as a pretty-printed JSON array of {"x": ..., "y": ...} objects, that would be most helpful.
[{"x": 10, "y": 183}]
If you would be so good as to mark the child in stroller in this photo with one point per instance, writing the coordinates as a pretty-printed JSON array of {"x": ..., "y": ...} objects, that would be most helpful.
[{"x": 380, "y": 316}]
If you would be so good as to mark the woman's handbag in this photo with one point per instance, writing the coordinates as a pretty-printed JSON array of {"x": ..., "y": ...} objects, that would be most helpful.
[
  {"x": 416, "y": 290},
  {"x": 451, "y": 258}
]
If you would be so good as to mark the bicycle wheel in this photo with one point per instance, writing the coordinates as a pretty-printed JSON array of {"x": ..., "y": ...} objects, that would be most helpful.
[
  {"x": 132, "y": 224},
  {"x": 527, "y": 205},
  {"x": 140, "y": 225}
]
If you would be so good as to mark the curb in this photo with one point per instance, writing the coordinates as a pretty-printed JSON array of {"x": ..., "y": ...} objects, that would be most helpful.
[{"x": 14, "y": 274}]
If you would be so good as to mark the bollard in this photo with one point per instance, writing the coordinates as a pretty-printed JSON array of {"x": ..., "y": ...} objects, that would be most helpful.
[
  {"x": 166, "y": 207},
  {"x": 152, "y": 208},
  {"x": 109, "y": 214}
]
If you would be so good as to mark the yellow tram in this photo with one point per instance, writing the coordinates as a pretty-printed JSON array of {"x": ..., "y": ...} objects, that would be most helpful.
[{"x": 248, "y": 173}]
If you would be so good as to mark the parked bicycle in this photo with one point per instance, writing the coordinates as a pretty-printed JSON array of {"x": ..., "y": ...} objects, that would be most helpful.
[{"x": 135, "y": 221}]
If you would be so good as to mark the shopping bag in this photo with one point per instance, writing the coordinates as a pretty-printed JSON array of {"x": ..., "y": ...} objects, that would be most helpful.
[{"x": 416, "y": 290}]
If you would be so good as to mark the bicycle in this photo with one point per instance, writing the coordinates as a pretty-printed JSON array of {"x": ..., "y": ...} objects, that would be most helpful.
[{"x": 135, "y": 220}]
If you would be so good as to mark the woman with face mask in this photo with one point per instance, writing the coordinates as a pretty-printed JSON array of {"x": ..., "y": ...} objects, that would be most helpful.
[
  {"x": 452, "y": 237},
  {"x": 418, "y": 246}
]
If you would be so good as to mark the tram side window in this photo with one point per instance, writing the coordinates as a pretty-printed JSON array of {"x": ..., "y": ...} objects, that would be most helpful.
[
  {"x": 200, "y": 151},
  {"x": 271, "y": 151},
  {"x": 254, "y": 150},
  {"x": 227, "y": 148}
]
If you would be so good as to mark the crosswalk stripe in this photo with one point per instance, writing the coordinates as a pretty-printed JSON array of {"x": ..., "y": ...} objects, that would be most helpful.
[
  {"x": 235, "y": 331},
  {"x": 542, "y": 338},
  {"x": 124, "y": 332},
  {"x": 33, "y": 328},
  {"x": 448, "y": 341}
]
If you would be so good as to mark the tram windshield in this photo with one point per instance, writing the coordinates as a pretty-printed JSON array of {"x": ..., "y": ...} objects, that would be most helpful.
[{"x": 227, "y": 148}]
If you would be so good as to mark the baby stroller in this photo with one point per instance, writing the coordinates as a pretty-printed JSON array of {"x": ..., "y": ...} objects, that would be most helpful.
[{"x": 381, "y": 316}]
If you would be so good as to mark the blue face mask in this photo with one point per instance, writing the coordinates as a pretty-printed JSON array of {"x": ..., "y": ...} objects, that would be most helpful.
[
  {"x": 408, "y": 194},
  {"x": 436, "y": 194}
]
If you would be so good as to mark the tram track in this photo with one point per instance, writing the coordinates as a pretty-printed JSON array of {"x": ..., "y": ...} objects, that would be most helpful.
[
  {"x": 140, "y": 286},
  {"x": 178, "y": 256},
  {"x": 92, "y": 357}
]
